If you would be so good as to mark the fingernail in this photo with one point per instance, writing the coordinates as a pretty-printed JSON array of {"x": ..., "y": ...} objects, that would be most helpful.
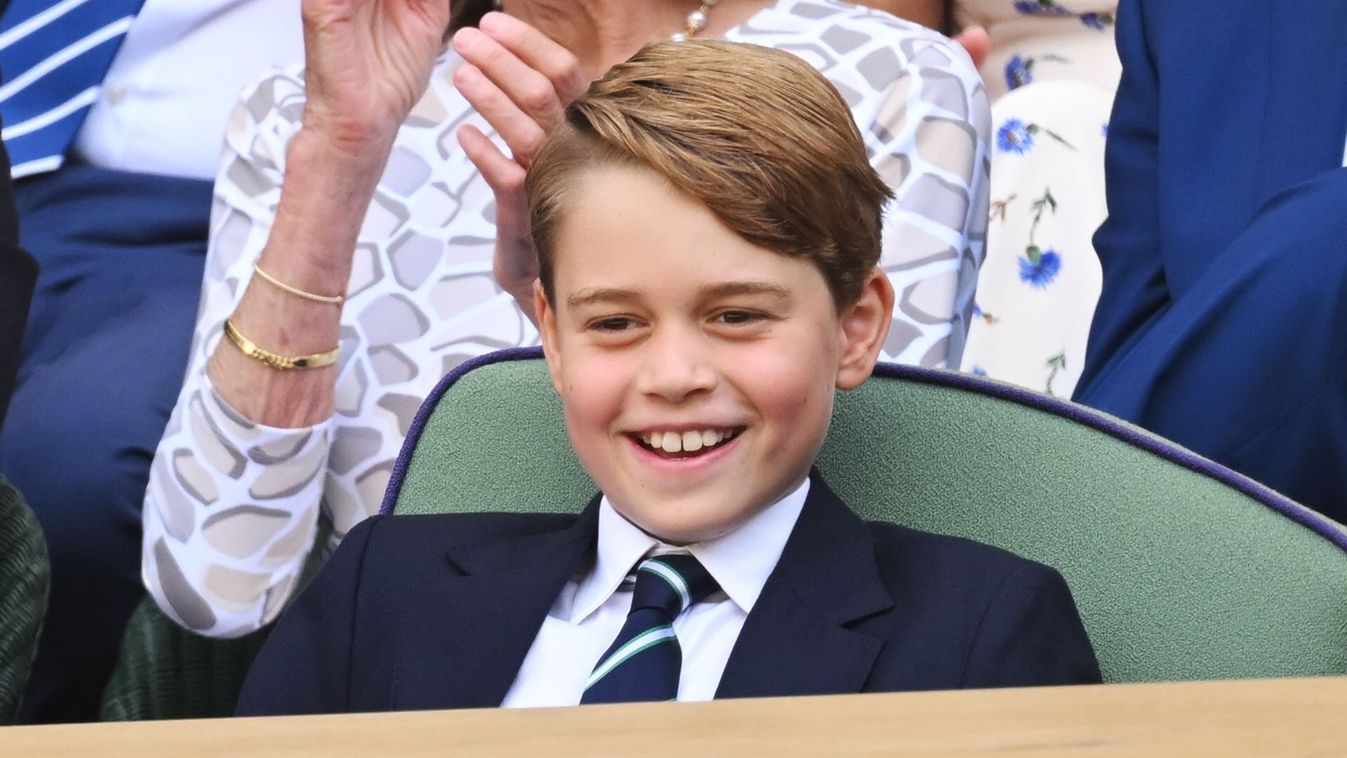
[{"x": 463, "y": 38}]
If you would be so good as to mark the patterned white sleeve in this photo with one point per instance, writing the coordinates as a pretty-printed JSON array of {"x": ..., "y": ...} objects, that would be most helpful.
[
  {"x": 218, "y": 576},
  {"x": 922, "y": 110},
  {"x": 929, "y": 142}
]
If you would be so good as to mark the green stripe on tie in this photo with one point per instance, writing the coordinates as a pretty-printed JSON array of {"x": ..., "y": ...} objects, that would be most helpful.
[
  {"x": 642, "y": 641},
  {"x": 669, "y": 574}
]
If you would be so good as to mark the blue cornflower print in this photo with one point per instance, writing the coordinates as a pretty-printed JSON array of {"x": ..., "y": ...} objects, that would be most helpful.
[
  {"x": 1018, "y": 72},
  {"x": 1039, "y": 268},
  {"x": 1015, "y": 136},
  {"x": 1098, "y": 21},
  {"x": 1040, "y": 8}
]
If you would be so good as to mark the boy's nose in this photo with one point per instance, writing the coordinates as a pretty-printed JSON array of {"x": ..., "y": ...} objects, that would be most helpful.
[{"x": 676, "y": 367}]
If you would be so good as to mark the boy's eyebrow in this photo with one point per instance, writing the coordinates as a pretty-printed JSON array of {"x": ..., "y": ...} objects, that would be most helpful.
[
  {"x": 591, "y": 295},
  {"x": 727, "y": 289}
]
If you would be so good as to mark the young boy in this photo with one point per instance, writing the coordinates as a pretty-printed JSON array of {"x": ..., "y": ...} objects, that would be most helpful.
[{"x": 708, "y": 228}]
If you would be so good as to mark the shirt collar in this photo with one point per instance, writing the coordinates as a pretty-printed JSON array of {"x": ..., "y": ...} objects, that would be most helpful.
[{"x": 740, "y": 561}]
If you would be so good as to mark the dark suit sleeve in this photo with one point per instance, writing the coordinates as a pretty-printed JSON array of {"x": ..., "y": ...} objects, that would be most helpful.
[
  {"x": 305, "y": 665},
  {"x": 17, "y": 275},
  {"x": 1128, "y": 243},
  {"x": 1030, "y": 634}
]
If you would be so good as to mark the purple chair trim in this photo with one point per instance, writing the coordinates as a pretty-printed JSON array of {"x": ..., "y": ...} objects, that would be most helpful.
[
  {"x": 1113, "y": 427},
  {"x": 428, "y": 407},
  {"x": 967, "y": 382}
]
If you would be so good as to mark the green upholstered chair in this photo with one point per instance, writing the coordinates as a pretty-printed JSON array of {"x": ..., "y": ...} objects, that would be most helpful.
[
  {"x": 1181, "y": 568},
  {"x": 24, "y": 578}
]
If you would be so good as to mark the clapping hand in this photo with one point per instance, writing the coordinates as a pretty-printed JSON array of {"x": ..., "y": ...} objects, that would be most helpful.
[{"x": 520, "y": 81}]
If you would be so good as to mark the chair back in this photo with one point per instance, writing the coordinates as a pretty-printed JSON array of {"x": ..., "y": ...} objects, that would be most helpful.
[{"x": 1181, "y": 568}]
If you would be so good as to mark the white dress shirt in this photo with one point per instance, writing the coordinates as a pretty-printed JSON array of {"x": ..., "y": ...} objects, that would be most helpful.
[
  {"x": 592, "y": 608},
  {"x": 177, "y": 76}
]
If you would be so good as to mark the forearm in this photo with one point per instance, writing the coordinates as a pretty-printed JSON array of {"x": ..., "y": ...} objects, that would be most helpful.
[{"x": 327, "y": 191}]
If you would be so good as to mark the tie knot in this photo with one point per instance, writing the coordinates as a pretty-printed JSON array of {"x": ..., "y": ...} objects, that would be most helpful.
[{"x": 671, "y": 583}]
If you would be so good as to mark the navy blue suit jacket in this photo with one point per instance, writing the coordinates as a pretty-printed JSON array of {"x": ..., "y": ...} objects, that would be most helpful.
[
  {"x": 1223, "y": 104},
  {"x": 424, "y": 612}
]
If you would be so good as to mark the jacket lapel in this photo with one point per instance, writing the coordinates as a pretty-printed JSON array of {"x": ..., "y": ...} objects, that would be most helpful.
[
  {"x": 797, "y": 641},
  {"x": 470, "y": 633}
]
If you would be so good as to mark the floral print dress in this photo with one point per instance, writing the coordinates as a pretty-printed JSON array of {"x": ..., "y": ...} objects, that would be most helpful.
[{"x": 1051, "y": 75}]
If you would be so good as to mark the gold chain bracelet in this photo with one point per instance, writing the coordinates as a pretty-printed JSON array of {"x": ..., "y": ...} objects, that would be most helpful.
[
  {"x": 275, "y": 360},
  {"x": 297, "y": 292}
]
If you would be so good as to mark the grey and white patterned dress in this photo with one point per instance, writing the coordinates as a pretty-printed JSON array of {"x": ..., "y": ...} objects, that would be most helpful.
[{"x": 232, "y": 507}]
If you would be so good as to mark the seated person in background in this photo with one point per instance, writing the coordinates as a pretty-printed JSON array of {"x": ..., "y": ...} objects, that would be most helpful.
[
  {"x": 17, "y": 272},
  {"x": 114, "y": 111},
  {"x": 1223, "y": 315},
  {"x": 435, "y": 270},
  {"x": 1051, "y": 75},
  {"x": 708, "y": 229}
]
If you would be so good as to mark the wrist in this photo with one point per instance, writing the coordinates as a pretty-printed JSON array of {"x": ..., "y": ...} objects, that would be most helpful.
[
  {"x": 338, "y": 156},
  {"x": 328, "y": 187}
]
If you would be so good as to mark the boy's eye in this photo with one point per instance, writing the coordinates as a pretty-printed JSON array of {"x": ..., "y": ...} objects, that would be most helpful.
[
  {"x": 612, "y": 323},
  {"x": 737, "y": 317}
]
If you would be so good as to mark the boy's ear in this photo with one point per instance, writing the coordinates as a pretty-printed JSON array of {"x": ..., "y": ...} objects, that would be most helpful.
[
  {"x": 547, "y": 330},
  {"x": 865, "y": 326}
]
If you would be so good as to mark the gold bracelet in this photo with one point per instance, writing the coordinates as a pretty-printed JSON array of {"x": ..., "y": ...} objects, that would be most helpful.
[
  {"x": 274, "y": 360},
  {"x": 330, "y": 299}
]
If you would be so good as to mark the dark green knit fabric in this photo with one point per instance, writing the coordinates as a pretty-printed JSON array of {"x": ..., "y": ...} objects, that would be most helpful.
[
  {"x": 1177, "y": 575},
  {"x": 166, "y": 672},
  {"x": 24, "y": 575}
]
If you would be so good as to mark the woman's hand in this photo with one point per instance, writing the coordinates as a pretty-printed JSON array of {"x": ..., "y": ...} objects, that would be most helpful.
[
  {"x": 367, "y": 64},
  {"x": 520, "y": 81}
]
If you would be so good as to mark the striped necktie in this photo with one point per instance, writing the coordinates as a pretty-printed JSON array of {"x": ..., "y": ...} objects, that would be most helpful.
[
  {"x": 53, "y": 57},
  {"x": 644, "y": 662}
]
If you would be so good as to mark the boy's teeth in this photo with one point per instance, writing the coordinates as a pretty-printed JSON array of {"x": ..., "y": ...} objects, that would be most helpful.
[
  {"x": 689, "y": 441},
  {"x": 672, "y": 443}
]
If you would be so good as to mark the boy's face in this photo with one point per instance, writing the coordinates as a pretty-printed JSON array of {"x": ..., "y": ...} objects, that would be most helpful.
[{"x": 696, "y": 369}]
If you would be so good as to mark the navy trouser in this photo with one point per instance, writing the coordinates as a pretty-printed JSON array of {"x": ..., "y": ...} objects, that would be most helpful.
[
  {"x": 1248, "y": 366},
  {"x": 120, "y": 261}
]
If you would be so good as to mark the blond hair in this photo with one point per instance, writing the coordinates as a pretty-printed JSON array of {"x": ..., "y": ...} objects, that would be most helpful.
[{"x": 757, "y": 135}]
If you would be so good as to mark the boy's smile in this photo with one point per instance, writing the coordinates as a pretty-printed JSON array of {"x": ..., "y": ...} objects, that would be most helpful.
[{"x": 696, "y": 369}]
